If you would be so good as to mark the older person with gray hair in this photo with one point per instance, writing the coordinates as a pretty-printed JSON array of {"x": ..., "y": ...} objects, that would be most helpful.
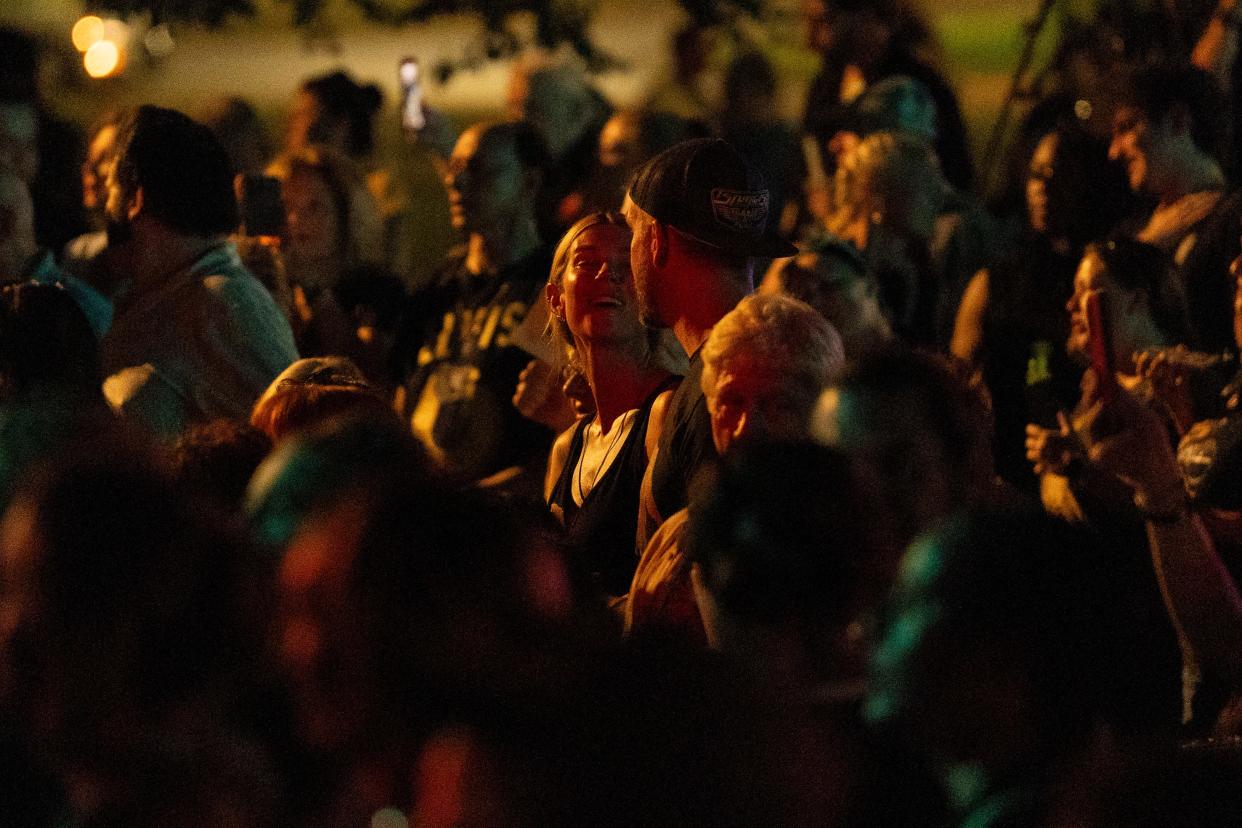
[
  {"x": 921, "y": 238},
  {"x": 764, "y": 366}
]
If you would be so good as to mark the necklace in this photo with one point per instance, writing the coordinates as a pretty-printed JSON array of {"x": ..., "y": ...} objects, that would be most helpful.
[{"x": 619, "y": 428}]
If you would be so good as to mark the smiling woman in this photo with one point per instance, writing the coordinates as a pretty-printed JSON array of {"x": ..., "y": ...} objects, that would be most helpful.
[{"x": 594, "y": 491}]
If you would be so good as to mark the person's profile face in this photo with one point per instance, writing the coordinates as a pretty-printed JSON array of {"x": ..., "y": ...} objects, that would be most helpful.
[
  {"x": 485, "y": 183},
  {"x": 1091, "y": 275},
  {"x": 118, "y": 224},
  {"x": 95, "y": 168},
  {"x": 1039, "y": 178},
  {"x": 1137, "y": 144},
  {"x": 642, "y": 227}
]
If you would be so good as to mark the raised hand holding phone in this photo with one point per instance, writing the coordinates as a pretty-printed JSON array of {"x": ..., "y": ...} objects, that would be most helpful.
[{"x": 409, "y": 76}]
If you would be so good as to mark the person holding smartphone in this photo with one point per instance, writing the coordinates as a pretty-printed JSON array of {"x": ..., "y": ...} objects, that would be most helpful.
[{"x": 1126, "y": 278}]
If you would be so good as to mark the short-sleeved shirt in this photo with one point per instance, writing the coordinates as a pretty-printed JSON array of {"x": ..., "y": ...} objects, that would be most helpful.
[{"x": 462, "y": 366}]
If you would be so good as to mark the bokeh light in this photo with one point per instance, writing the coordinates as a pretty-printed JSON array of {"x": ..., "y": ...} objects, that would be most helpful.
[
  {"x": 87, "y": 32},
  {"x": 102, "y": 59}
]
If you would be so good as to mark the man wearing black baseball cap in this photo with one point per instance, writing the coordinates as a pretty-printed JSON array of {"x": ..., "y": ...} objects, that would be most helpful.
[{"x": 700, "y": 216}]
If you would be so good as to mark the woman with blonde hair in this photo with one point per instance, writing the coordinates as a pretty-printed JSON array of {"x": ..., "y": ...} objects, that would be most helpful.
[
  {"x": 922, "y": 239},
  {"x": 594, "y": 489},
  {"x": 888, "y": 192}
]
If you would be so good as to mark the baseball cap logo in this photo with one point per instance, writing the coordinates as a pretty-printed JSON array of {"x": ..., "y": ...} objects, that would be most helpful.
[{"x": 742, "y": 210}]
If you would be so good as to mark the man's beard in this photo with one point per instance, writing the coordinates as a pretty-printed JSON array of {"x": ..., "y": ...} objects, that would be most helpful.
[
  {"x": 648, "y": 314},
  {"x": 651, "y": 320}
]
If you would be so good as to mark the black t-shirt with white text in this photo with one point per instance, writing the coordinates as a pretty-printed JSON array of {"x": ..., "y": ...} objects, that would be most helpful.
[{"x": 462, "y": 368}]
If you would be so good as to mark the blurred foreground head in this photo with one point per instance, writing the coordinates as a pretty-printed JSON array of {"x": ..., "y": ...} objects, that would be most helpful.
[
  {"x": 46, "y": 344},
  {"x": 1010, "y": 654},
  {"x": 782, "y": 551},
  {"x": 310, "y": 472},
  {"x": 402, "y": 599},
  {"x": 650, "y": 735},
  {"x": 918, "y": 433},
  {"x": 129, "y": 636}
]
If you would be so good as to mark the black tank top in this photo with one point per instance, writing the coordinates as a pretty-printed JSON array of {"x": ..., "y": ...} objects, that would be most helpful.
[{"x": 600, "y": 533}]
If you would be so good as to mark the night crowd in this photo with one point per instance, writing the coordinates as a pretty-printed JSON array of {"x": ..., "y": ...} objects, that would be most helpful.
[{"x": 730, "y": 471}]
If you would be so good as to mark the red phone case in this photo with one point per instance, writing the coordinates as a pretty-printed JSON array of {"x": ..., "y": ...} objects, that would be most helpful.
[{"x": 1100, "y": 345}]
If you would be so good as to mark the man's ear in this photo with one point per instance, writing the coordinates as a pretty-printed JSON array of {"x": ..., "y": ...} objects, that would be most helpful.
[
  {"x": 134, "y": 207},
  {"x": 660, "y": 240}
]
